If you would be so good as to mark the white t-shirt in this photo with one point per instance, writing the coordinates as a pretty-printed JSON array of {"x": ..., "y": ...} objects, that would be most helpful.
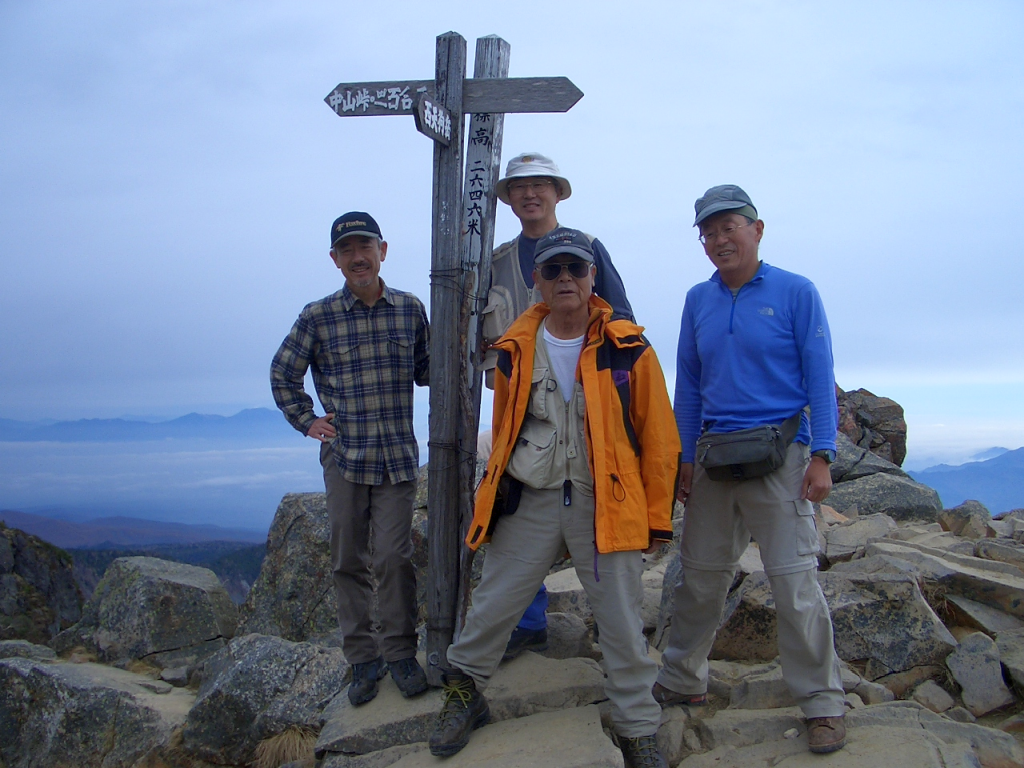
[{"x": 564, "y": 355}]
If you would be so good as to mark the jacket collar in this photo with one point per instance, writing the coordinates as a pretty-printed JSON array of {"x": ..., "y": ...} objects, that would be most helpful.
[
  {"x": 523, "y": 332},
  {"x": 758, "y": 276},
  {"x": 349, "y": 299}
]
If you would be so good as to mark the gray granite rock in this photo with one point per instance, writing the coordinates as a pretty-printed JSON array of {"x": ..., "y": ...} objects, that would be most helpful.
[
  {"x": 84, "y": 715},
  {"x": 568, "y": 637},
  {"x": 1010, "y": 644},
  {"x": 566, "y": 594},
  {"x": 970, "y": 520},
  {"x": 1002, "y": 550},
  {"x": 929, "y": 695},
  {"x": 257, "y": 687},
  {"x": 154, "y": 610},
  {"x": 845, "y": 540},
  {"x": 853, "y": 462},
  {"x": 970, "y": 613},
  {"x": 975, "y": 666},
  {"x": 899, "y": 497},
  {"x": 26, "y": 650}
]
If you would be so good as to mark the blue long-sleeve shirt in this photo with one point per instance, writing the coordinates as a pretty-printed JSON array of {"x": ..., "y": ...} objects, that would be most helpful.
[{"x": 756, "y": 358}]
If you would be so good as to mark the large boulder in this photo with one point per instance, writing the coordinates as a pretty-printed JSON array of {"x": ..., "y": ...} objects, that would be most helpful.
[
  {"x": 911, "y": 634},
  {"x": 168, "y": 614},
  {"x": 899, "y": 497},
  {"x": 257, "y": 687},
  {"x": 843, "y": 541},
  {"x": 1010, "y": 645},
  {"x": 852, "y": 462},
  {"x": 972, "y": 520},
  {"x": 85, "y": 715},
  {"x": 38, "y": 593},
  {"x": 293, "y": 596},
  {"x": 874, "y": 423}
]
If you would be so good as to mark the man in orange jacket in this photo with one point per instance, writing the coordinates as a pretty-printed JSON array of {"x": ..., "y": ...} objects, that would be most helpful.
[{"x": 585, "y": 455}]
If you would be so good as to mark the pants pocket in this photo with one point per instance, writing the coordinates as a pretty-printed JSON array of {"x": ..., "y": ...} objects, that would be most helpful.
[{"x": 806, "y": 528}]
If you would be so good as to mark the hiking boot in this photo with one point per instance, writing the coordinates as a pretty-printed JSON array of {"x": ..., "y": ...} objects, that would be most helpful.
[
  {"x": 408, "y": 676},
  {"x": 667, "y": 697},
  {"x": 641, "y": 752},
  {"x": 364, "y": 680},
  {"x": 464, "y": 710},
  {"x": 826, "y": 734},
  {"x": 525, "y": 640}
]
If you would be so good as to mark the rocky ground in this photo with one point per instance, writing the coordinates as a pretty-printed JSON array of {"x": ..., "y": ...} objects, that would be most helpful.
[{"x": 162, "y": 671}]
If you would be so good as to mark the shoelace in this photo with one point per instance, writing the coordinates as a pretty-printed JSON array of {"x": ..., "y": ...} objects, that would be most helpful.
[
  {"x": 644, "y": 749},
  {"x": 460, "y": 689}
]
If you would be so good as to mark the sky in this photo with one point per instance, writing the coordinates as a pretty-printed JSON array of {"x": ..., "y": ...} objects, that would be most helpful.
[{"x": 168, "y": 172}]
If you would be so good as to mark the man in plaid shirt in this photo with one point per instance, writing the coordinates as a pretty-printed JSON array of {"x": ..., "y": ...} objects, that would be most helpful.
[{"x": 367, "y": 345}]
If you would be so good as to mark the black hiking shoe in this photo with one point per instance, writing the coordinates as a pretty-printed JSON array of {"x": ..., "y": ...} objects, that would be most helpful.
[
  {"x": 525, "y": 640},
  {"x": 641, "y": 752},
  {"x": 464, "y": 710},
  {"x": 364, "y": 680},
  {"x": 408, "y": 676},
  {"x": 667, "y": 697}
]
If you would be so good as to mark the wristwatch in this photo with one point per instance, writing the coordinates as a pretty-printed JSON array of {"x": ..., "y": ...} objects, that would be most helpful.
[{"x": 826, "y": 455}]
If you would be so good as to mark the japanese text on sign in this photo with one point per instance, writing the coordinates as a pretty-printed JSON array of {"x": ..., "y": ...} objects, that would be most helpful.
[
  {"x": 396, "y": 98},
  {"x": 437, "y": 119}
]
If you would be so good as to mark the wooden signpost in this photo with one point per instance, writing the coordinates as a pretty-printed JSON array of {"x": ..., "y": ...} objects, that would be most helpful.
[{"x": 462, "y": 237}]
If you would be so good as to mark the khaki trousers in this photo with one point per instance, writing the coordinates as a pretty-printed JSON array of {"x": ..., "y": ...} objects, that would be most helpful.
[
  {"x": 358, "y": 513},
  {"x": 721, "y": 517},
  {"x": 523, "y": 547}
]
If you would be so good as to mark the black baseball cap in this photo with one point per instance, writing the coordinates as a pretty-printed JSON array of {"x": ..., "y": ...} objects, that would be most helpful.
[
  {"x": 354, "y": 223},
  {"x": 563, "y": 240},
  {"x": 725, "y": 197}
]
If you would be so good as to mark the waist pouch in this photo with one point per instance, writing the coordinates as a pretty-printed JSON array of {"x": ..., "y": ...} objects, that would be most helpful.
[{"x": 747, "y": 453}]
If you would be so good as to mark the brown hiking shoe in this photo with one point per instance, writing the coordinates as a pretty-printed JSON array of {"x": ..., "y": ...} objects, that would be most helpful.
[
  {"x": 826, "y": 734},
  {"x": 641, "y": 752},
  {"x": 464, "y": 710},
  {"x": 667, "y": 697}
]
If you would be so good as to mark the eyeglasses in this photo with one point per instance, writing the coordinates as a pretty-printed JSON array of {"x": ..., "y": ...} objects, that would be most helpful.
[
  {"x": 726, "y": 231},
  {"x": 538, "y": 186},
  {"x": 578, "y": 269}
]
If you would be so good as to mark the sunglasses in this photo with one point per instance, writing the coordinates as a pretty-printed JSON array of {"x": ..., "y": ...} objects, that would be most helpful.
[{"x": 578, "y": 269}]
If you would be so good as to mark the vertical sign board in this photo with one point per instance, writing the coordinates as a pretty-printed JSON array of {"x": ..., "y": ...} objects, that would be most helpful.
[{"x": 461, "y": 240}]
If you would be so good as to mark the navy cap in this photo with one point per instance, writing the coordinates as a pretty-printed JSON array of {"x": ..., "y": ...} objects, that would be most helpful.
[
  {"x": 354, "y": 223},
  {"x": 725, "y": 197},
  {"x": 563, "y": 240}
]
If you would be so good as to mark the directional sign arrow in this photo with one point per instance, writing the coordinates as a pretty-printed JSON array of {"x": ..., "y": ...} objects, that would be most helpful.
[{"x": 479, "y": 95}]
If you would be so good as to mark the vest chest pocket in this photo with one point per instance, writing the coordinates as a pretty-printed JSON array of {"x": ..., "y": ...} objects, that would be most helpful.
[
  {"x": 533, "y": 456},
  {"x": 539, "y": 386}
]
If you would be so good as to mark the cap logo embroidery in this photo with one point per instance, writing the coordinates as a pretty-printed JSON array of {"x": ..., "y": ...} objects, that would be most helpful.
[{"x": 355, "y": 224}]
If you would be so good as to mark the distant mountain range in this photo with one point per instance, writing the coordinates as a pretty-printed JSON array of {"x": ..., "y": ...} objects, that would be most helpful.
[
  {"x": 122, "y": 531},
  {"x": 256, "y": 424},
  {"x": 996, "y": 482}
]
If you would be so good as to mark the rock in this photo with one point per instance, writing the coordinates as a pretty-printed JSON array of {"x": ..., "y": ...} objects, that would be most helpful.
[
  {"x": 973, "y": 614},
  {"x": 993, "y": 748},
  {"x": 671, "y": 734},
  {"x": 910, "y": 636},
  {"x": 843, "y": 541},
  {"x": 971, "y": 577},
  {"x": 566, "y": 594},
  {"x": 865, "y": 747},
  {"x": 38, "y": 593},
  {"x": 852, "y": 462},
  {"x": 975, "y": 666},
  {"x": 59, "y": 714},
  {"x": 765, "y": 690},
  {"x": 960, "y": 715},
  {"x": 1000, "y": 550},
  {"x": 568, "y": 637},
  {"x": 970, "y": 520},
  {"x": 379, "y": 759},
  {"x": 1010, "y": 645},
  {"x": 1013, "y": 724},
  {"x": 828, "y": 516},
  {"x": 293, "y": 596},
  {"x": 25, "y": 650},
  {"x": 941, "y": 540},
  {"x": 744, "y": 727},
  {"x": 154, "y": 610},
  {"x": 519, "y": 688},
  {"x": 929, "y": 695},
  {"x": 874, "y": 423},
  {"x": 257, "y": 687},
  {"x": 569, "y": 739},
  {"x": 900, "y": 498},
  {"x": 901, "y": 683}
]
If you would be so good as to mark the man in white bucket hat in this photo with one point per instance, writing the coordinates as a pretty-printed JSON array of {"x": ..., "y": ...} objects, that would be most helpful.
[{"x": 533, "y": 186}]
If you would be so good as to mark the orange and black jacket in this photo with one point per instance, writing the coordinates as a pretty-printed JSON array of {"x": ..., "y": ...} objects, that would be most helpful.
[{"x": 632, "y": 441}]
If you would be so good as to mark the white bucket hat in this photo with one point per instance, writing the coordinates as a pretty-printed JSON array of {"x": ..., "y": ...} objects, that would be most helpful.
[{"x": 531, "y": 164}]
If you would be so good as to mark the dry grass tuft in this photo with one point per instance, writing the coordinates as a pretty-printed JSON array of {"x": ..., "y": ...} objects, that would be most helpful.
[{"x": 296, "y": 743}]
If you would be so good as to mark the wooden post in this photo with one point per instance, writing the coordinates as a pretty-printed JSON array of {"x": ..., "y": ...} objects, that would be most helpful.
[
  {"x": 483, "y": 164},
  {"x": 445, "y": 309}
]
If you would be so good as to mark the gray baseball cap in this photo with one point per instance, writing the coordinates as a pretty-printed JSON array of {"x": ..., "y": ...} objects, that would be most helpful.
[
  {"x": 531, "y": 164},
  {"x": 725, "y": 197}
]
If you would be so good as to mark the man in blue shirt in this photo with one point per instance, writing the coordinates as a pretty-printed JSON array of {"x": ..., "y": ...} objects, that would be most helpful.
[{"x": 754, "y": 350}]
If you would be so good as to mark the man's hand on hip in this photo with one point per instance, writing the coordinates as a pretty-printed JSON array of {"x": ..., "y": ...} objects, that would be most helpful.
[
  {"x": 817, "y": 481},
  {"x": 685, "y": 482},
  {"x": 322, "y": 429}
]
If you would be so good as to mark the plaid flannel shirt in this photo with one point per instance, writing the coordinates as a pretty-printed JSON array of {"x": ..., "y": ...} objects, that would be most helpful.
[{"x": 365, "y": 361}]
